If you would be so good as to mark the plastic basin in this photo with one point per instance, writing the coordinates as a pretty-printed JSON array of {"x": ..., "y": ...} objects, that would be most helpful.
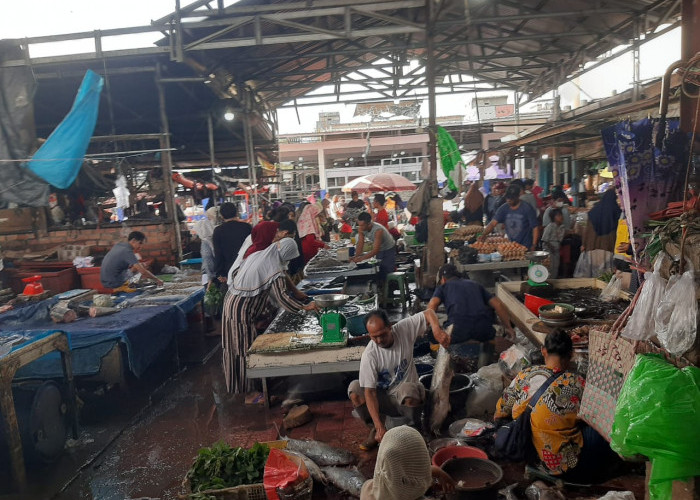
[{"x": 449, "y": 452}]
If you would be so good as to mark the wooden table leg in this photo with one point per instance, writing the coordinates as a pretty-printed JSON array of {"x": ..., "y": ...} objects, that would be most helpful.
[
  {"x": 266, "y": 396},
  {"x": 67, "y": 362},
  {"x": 14, "y": 441}
]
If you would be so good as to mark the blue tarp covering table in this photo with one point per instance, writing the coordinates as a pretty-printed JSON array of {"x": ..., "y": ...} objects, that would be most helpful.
[{"x": 144, "y": 330}]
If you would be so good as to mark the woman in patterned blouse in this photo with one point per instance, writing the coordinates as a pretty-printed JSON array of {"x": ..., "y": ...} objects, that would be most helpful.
[{"x": 564, "y": 444}]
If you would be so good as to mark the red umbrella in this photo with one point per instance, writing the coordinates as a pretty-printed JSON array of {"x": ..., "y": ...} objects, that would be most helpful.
[{"x": 374, "y": 183}]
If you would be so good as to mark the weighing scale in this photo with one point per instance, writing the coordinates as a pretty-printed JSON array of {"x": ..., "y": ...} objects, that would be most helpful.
[
  {"x": 33, "y": 285},
  {"x": 537, "y": 273},
  {"x": 332, "y": 321}
]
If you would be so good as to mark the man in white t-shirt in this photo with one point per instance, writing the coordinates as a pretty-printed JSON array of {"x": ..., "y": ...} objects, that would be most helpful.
[{"x": 388, "y": 383}]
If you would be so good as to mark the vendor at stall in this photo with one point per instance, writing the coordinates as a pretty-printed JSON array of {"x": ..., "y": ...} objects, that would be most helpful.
[
  {"x": 471, "y": 310},
  {"x": 383, "y": 245},
  {"x": 388, "y": 383},
  {"x": 262, "y": 274},
  {"x": 121, "y": 263},
  {"x": 564, "y": 446},
  {"x": 519, "y": 219}
]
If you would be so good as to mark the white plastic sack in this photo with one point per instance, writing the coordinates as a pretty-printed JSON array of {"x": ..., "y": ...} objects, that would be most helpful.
[
  {"x": 513, "y": 360},
  {"x": 593, "y": 263},
  {"x": 121, "y": 193},
  {"x": 676, "y": 317},
  {"x": 488, "y": 388},
  {"x": 611, "y": 291},
  {"x": 642, "y": 322}
]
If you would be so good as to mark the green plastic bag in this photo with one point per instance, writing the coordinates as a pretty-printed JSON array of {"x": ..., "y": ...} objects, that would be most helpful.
[{"x": 658, "y": 415}]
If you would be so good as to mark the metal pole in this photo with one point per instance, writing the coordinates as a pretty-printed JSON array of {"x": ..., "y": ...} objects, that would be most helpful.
[
  {"x": 435, "y": 247},
  {"x": 250, "y": 154},
  {"x": 212, "y": 159},
  {"x": 167, "y": 163}
]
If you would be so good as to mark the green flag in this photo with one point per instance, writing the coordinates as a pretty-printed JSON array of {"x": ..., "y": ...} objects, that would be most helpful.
[{"x": 450, "y": 158}]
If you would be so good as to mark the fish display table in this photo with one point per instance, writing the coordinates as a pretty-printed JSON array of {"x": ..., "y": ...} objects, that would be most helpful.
[
  {"x": 304, "y": 358},
  {"x": 524, "y": 319},
  {"x": 309, "y": 362}
]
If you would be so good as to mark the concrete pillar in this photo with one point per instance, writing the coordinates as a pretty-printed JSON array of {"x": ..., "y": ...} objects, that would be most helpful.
[{"x": 322, "y": 168}]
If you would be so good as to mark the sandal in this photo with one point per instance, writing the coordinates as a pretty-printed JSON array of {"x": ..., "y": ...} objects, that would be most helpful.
[{"x": 371, "y": 442}]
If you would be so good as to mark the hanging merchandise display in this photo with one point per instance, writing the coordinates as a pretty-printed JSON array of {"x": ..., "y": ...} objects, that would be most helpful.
[
  {"x": 676, "y": 316},
  {"x": 641, "y": 324},
  {"x": 656, "y": 416},
  {"x": 645, "y": 177}
]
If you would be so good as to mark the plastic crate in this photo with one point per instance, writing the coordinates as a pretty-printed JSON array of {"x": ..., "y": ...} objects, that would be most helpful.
[
  {"x": 70, "y": 252},
  {"x": 56, "y": 281},
  {"x": 90, "y": 278}
]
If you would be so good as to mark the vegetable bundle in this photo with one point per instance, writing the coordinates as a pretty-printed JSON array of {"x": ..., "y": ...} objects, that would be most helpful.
[{"x": 224, "y": 467}]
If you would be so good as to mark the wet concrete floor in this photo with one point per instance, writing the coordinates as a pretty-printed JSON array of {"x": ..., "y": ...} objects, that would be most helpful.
[{"x": 140, "y": 444}]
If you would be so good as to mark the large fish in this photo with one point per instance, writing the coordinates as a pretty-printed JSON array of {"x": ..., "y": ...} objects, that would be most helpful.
[
  {"x": 321, "y": 453},
  {"x": 347, "y": 479},
  {"x": 440, "y": 390},
  {"x": 313, "y": 468}
]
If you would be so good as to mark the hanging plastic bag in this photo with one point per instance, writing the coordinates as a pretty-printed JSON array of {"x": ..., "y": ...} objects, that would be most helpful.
[
  {"x": 656, "y": 416},
  {"x": 285, "y": 476},
  {"x": 121, "y": 193},
  {"x": 611, "y": 292},
  {"x": 642, "y": 323},
  {"x": 676, "y": 316}
]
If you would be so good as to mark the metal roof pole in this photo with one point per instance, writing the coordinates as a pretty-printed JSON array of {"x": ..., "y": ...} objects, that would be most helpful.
[
  {"x": 212, "y": 159},
  {"x": 167, "y": 164},
  {"x": 436, "y": 234},
  {"x": 250, "y": 152}
]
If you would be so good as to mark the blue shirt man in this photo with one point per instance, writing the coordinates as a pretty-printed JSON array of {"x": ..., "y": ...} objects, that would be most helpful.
[
  {"x": 471, "y": 310},
  {"x": 519, "y": 219}
]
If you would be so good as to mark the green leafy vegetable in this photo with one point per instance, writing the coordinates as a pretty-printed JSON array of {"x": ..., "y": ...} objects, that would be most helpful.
[
  {"x": 224, "y": 467},
  {"x": 213, "y": 299}
]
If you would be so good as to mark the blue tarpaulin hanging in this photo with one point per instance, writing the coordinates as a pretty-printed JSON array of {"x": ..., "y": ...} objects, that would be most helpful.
[{"x": 59, "y": 159}]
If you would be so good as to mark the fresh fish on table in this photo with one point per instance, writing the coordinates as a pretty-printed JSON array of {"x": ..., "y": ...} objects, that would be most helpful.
[
  {"x": 347, "y": 479},
  {"x": 321, "y": 453},
  {"x": 440, "y": 390}
]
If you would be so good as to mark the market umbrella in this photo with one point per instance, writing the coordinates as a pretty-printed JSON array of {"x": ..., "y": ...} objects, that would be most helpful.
[{"x": 375, "y": 183}]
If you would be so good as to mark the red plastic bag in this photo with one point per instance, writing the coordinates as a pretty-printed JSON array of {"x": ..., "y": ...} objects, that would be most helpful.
[{"x": 283, "y": 471}]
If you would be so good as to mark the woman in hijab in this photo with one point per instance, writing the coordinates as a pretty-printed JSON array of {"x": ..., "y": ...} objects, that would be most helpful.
[
  {"x": 599, "y": 237},
  {"x": 473, "y": 212},
  {"x": 403, "y": 470},
  {"x": 262, "y": 275},
  {"x": 310, "y": 231},
  {"x": 205, "y": 230}
]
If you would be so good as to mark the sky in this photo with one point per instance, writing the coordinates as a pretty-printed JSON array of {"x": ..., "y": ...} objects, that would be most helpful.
[{"x": 22, "y": 18}]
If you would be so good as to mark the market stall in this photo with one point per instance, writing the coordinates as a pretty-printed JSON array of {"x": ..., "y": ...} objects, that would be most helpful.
[{"x": 145, "y": 324}]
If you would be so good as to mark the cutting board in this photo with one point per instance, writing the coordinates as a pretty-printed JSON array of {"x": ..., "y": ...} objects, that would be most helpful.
[{"x": 290, "y": 341}]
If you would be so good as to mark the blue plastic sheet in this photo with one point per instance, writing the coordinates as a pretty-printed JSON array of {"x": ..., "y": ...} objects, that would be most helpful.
[
  {"x": 59, "y": 159},
  {"x": 145, "y": 331}
]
